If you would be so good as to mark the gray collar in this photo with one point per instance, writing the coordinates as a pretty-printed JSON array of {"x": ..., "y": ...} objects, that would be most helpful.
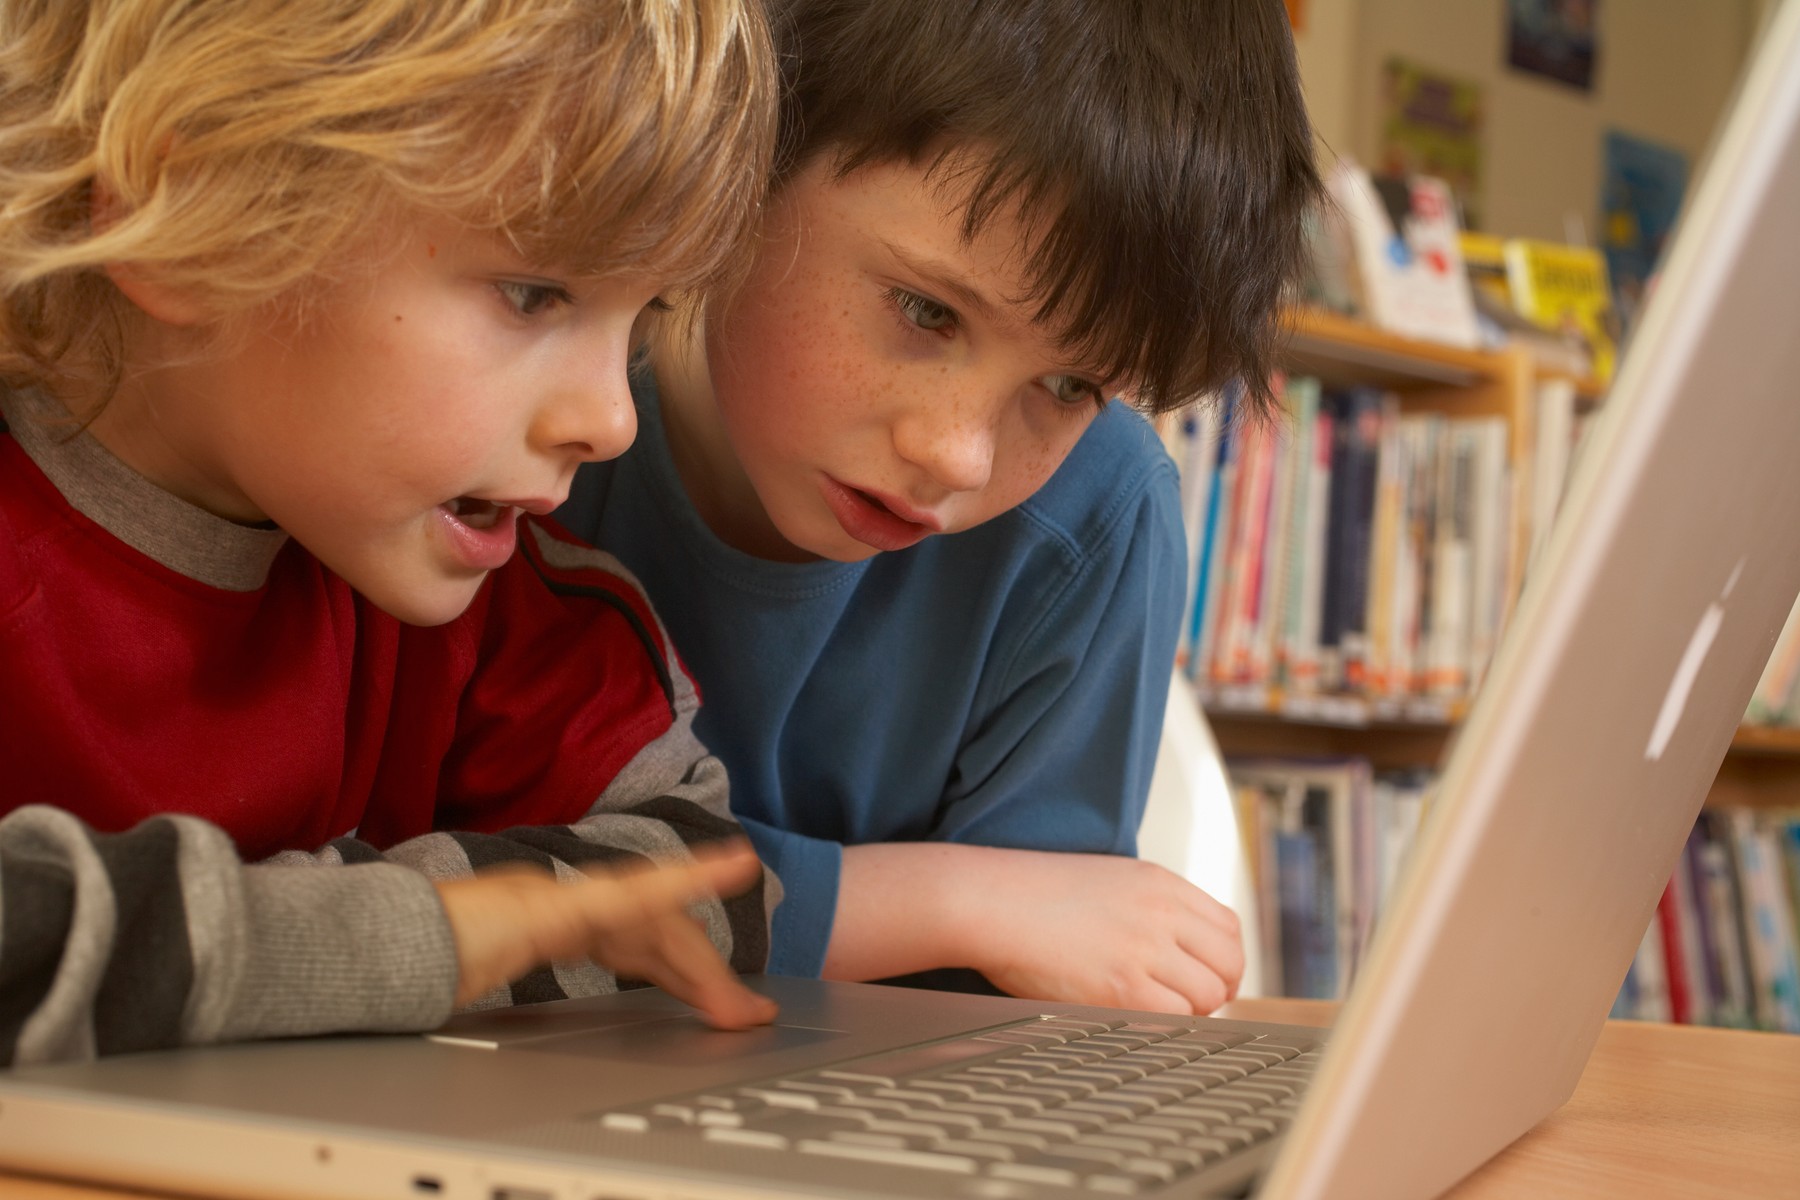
[{"x": 189, "y": 541}]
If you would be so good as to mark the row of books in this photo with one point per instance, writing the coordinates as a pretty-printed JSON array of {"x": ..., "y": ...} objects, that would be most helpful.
[
  {"x": 1325, "y": 841},
  {"x": 1357, "y": 562},
  {"x": 1354, "y": 549},
  {"x": 1721, "y": 949}
]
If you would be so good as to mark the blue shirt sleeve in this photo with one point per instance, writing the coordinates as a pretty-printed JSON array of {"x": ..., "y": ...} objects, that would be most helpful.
[
  {"x": 1065, "y": 758},
  {"x": 809, "y": 869}
]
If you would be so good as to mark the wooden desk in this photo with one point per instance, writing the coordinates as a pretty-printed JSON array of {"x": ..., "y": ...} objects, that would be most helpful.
[{"x": 1661, "y": 1111}]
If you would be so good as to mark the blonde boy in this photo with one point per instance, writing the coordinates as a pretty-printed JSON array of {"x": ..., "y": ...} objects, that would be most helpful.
[{"x": 308, "y": 312}]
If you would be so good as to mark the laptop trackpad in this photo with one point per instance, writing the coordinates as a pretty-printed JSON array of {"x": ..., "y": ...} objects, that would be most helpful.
[{"x": 682, "y": 1041}]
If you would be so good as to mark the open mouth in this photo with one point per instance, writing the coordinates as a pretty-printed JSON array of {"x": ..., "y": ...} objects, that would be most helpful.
[
  {"x": 875, "y": 502},
  {"x": 870, "y": 520},
  {"x": 476, "y": 513}
]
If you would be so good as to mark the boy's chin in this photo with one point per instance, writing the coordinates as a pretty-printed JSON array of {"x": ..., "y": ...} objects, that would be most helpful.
[{"x": 437, "y": 603}]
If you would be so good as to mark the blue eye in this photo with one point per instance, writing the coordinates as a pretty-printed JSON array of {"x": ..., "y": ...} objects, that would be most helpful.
[
  {"x": 530, "y": 299},
  {"x": 926, "y": 314},
  {"x": 1072, "y": 390}
]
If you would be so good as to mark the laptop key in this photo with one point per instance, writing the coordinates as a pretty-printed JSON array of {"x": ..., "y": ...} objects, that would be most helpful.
[
  {"x": 782, "y": 1098},
  {"x": 746, "y": 1137},
  {"x": 951, "y": 1123},
  {"x": 718, "y": 1118},
  {"x": 1078, "y": 1024},
  {"x": 808, "y": 1125},
  {"x": 1299, "y": 1045},
  {"x": 1114, "y": 1141},
  {"x": 1218, "y": 1039},
  {"x": 1062, "y": 1124},
  {"x": 1153, "y": 1030},
  {"x": 889, "y": 1156},
  {"x": 1055, "y": 1176},
  {"x": 987, "y": 1151},
  {"x": 887, "y": 1070},
  {"x": 1214, "y": 1148},
  {"x": 1154, "y": 1134},
  {"x": 1231, "y": 1136},
  {"x": 1158, "y": 1170}
]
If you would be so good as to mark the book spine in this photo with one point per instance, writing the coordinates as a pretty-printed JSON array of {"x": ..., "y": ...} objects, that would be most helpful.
[
  {"x": 1271, "y": 592},
  {"x": 1384, "y": 673},
  {"x": 1212, "y": 552},
  {"x": 1365, "y": 422},
  {"x": 1668, "y": 924},
  {"x": 1725, "y": 923},
  {"x": 1306, "y": 670},
  {"x": 1197, "y": 453},
  {"x": 1303, "y": 397},
  {"x": 1652, "y": 977},
  {"x": 1695, "y": 983}
]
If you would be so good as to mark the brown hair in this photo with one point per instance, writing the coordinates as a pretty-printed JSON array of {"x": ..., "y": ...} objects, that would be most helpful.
[
  {"x": 1161, "y": 147},
  {"x": 246, "y": 147}
]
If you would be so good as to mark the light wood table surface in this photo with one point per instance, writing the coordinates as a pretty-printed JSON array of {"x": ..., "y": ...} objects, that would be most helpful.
[{"x": 1661, "y": 1111}]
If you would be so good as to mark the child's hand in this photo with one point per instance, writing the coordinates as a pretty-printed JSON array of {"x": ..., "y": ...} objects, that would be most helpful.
[
  {"x": 1101, "y": 929},
  {"x": 633, "y": 921},
  {"x": 1079, "y": 928}
]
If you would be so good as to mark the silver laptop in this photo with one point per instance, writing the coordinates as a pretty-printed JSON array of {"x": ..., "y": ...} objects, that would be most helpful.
[{"x": 1565, "y": 804}]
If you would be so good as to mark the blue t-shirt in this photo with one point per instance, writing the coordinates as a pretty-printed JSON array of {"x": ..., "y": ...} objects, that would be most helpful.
[{"x": 1001, "y": 686}]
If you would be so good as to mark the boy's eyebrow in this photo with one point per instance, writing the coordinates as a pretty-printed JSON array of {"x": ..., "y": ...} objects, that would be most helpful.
[
  {"x": 943, "y": 276},
  {"x": 946, "y": 278}
]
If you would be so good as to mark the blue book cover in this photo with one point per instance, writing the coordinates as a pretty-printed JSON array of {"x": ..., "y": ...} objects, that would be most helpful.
[
  {"x": 1297, "y": 875},
  {"x": 1209, "y": 536}
]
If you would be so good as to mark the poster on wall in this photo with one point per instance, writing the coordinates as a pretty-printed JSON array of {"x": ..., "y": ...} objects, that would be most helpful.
[
  {"x": 1641, "y": 186},
  {"x": 1431, "y": 125},
  {"x": 1558, "y": 39}
]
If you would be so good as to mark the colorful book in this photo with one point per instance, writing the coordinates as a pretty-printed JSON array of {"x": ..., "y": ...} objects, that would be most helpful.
[{"x": 1564, "y": 289}]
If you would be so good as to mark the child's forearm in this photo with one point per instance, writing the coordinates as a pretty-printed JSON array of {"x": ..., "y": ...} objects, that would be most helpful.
[
  {"x": 161, "y": 937},
  {"x": 671, "y": 798},
  {"x": 907, "y": 906},
  {"x": 1083, "y": 928}
]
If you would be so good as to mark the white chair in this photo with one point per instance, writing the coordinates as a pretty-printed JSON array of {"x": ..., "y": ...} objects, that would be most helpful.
[{"x": 1190, "y": 825}]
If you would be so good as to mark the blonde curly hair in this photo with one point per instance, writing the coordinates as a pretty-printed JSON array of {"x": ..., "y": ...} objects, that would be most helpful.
[{"x": 244, "y": 148}]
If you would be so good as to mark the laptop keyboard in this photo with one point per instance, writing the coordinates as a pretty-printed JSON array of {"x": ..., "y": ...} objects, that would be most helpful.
[{"x": 1102, "y": 1107}]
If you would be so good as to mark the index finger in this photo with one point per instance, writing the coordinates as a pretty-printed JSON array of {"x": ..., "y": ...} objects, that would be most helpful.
[{"x": 718, "y": 869}]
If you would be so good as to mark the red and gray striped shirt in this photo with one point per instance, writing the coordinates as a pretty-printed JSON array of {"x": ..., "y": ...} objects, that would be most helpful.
[{"x": 181, "y": 695}]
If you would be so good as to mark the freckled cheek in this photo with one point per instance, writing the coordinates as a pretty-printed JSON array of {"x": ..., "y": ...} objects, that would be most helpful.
[{"x": 1032, "y": 464}]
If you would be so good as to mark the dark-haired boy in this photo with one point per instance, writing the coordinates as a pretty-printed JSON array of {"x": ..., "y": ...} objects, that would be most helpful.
[{"x": 928, "y": 576}]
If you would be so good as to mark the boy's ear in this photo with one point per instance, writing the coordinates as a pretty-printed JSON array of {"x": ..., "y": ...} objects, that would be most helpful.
[
  {"x": 142, "y": 283},
  {"x": 159, "y": 299}
]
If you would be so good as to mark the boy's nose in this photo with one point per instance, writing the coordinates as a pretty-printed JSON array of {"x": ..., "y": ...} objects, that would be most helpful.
[
  {"x": 951, "y": 442},
  {"x": 593, "y": 417}
]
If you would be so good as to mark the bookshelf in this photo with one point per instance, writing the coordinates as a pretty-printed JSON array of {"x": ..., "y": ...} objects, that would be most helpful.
[
  {"x": 1763, "y": 767},
  {"x": 1334, "y": 690}
]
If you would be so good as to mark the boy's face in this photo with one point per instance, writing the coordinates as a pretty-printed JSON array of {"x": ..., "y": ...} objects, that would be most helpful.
[
  {"x": 398, "y": 427},
  {"x": 878, "y": 379}
]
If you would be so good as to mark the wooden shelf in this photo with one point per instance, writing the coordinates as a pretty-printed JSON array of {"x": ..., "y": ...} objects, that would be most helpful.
[
  {"x": 1346, "y": 350},
  {"x": 1343, "y": 350},
  {"x": 1761, "y": 769},
  {"x": 1767, "y": 741}
]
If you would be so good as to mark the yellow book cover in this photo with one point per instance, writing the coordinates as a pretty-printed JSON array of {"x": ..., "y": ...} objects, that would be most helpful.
[
  {"x": 1564, "y": 288},
  {"x": 1484, "y": 257}
]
